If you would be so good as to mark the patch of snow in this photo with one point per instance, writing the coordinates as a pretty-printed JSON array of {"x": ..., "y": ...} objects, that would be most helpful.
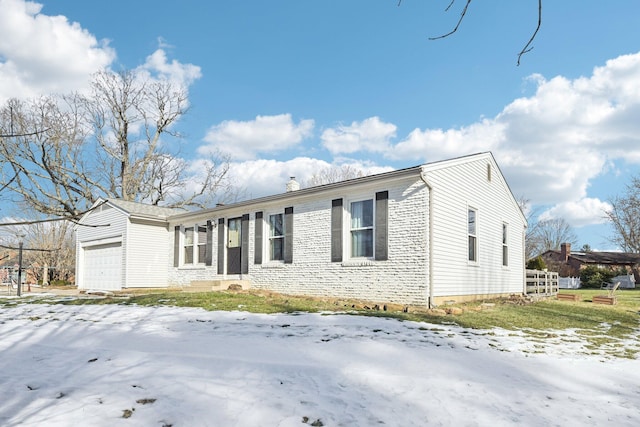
[{"x": 113, "y": 365}]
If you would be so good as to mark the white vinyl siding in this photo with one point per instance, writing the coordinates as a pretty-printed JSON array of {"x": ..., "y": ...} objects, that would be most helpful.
[
  {"x": 457, "y": 186},
  {"x": 147, "y": 258}
]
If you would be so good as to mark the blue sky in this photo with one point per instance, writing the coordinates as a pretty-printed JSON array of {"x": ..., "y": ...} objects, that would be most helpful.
[{"x": 289, "y": 87}]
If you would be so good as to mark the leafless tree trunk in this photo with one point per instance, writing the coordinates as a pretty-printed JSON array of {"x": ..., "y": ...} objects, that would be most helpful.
[{"x": 625, "y": 218}]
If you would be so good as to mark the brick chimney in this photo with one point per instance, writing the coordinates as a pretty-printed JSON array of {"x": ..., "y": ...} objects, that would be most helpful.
[
  {"x": 565, "y": 251},
  {"x": 292, "y": 185}
]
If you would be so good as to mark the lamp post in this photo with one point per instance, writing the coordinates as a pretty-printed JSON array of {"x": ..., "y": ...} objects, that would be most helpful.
[{"x": 20, "y": 267}]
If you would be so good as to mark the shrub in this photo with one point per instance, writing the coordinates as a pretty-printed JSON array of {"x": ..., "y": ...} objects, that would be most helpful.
[
  {"x": 594, "y": 277},
  {"x": 536, "y": 263}
]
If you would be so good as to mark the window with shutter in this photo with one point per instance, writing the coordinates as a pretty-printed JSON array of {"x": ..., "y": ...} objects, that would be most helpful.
[
  {"x": 276, "y": 237},
  {"x": 362, "y": 229},
  {"x": 188, "y": 245}
]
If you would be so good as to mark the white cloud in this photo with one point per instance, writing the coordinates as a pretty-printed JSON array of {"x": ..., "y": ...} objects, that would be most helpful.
[
  {"x": 552, "y": 144},
  {"x": 371, "y": 134},
  {"x": 243, "y": 140},
  {"x": 43, "y": 54},
  {"x": 478, "y": 137},
  {"x": 586, "y": 211},
  {"x": 266, "y": 177},
  {"x": 178, "y": 73}
]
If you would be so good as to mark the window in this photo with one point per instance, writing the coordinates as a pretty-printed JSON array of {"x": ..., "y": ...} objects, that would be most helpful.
[
  {"x": 233, "y": 234},
  {"x": 276, "y": 237},
  {"x": 505, "y": 246},
  {"x": 472, "y": 230},
  {"x": 188, "y": 245},
  {"x": 202, "y": 243},
  {"x": 362, "y": 228},
  {"x": 194, "y": 244}
]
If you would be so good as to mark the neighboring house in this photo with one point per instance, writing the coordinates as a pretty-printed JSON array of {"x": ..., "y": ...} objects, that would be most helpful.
[
  {"x": 448, "y": 230},
  {"x": 569, "y": 264}
]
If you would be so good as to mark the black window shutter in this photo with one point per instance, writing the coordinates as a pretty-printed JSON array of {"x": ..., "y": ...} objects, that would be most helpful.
[
  {"x": 257, "y": 254},
  {"x": 288, "y": 235},
  {"x": 176, "y": 246},
  {"x": 244, "y": 244},
  {"x": 221, "y": 246},
  {"x": 336, "y": 230},
  {"x": 208, "y": 254},
  {"x": 381, "y": 226}
]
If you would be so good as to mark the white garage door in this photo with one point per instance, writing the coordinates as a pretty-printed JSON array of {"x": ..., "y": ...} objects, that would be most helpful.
[{"x": 103, "y": 267}]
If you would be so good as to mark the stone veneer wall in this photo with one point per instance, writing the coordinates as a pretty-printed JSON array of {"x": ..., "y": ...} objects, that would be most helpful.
[{"x": 402, "y": 279}]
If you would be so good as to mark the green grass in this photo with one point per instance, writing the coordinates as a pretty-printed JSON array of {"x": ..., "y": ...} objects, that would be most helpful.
[{"x": 601, "y": 325}]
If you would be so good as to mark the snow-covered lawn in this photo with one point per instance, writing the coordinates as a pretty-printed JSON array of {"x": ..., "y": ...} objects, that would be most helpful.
[{"x": 112, "y": 365}]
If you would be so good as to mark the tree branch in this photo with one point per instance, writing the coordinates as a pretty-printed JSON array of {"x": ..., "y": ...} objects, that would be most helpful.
[
  {"x": 526, "y": 48},
  {"x": 73, "y": 219},
  {"x": 462, "y": 15},
  {"x": 18, "y": 135}
]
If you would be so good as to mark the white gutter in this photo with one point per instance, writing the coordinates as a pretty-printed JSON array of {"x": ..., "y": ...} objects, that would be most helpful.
[{"x": 429, "y": 240}]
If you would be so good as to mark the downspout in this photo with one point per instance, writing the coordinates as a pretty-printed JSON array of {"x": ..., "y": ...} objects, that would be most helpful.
[
  {"x": 524, "y": 261},
  {"x": 429, "y": 240}
]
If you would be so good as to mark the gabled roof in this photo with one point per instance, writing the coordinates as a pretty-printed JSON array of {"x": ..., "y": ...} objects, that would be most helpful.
[
  {"x": 385, "y": 176},
  {"x": 395, "y": 174},
  {"x": 603, "y": 258},
  {"x": 606, "y": 257},
  {"x": 134, "y": 210},
  {"x": 159, "y": 213},
  {"x": 142, "y": 210}
]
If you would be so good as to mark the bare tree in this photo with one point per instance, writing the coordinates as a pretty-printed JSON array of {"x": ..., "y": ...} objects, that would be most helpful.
[
  {"x": 334, "y": 174},
  {"x": 118, "y": 141},
  {"x": 533, "y": 242},
  {"x": 47, "y": 170},
  {"x": 625, "y": 217},
  {"x": 544, "y": 235},
  {"x": 551, "y": 233},
  {"x": 53, "y": 250}
]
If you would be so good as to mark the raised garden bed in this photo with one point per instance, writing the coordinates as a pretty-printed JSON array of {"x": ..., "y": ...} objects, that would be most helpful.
[
  {"x": 569, "y": 297},
  {"x": 605, "y": 299}
]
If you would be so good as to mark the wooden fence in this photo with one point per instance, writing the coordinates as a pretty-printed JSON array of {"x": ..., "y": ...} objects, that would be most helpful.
[{"x": 542, "y": 282}]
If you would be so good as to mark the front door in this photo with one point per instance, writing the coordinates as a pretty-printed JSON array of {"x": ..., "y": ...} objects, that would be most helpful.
[{"x": 234, "y": 238}]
